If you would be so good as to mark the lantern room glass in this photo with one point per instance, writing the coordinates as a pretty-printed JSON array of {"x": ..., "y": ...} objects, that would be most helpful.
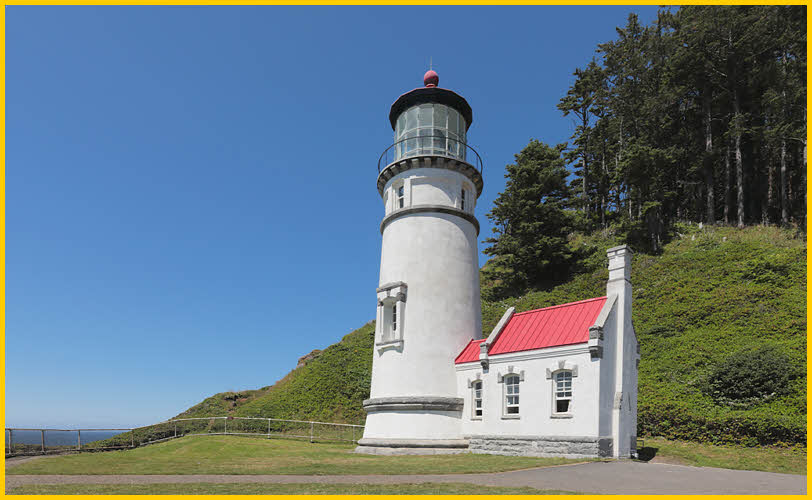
[{"x": 430, "y": 129}]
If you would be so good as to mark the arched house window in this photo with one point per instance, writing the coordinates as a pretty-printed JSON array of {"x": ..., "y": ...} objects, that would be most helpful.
[
  {"x": 563, "y": 392},
  {"x": 561, "y": 376},
  {"x": 511, "y": 392}
]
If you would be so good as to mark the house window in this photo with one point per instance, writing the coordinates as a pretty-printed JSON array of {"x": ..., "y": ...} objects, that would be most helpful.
[
  {"x": 512, "y": 394},
  {"x": 400, "y": 197},
  {"x": 477, "y": 399},
  {"x": 563, "y": 391}
]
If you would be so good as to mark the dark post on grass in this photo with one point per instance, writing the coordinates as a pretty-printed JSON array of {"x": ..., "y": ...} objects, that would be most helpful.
[
  {"x": 43, "y": 440},
  {"x": 311, "y": 432},
  {"x": 10, "y": 444},
  {"x": 79, "y": 439},
  {"x": 132, "y": 438}
]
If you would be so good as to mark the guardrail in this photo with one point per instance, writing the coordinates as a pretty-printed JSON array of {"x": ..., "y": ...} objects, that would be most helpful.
[
  {"x": 22, "y": 441},
  {"x": 430, "y": 145},
  {"x": 60, "y": 440}
]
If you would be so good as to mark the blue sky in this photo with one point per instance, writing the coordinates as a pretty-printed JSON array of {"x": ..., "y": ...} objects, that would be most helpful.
[{"x": 190, "y": 191}]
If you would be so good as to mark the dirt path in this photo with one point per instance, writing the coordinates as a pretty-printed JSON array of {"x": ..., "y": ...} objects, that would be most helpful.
[
  {"x": 624, "y": 477},
  {"x": 15, "y": 461}
]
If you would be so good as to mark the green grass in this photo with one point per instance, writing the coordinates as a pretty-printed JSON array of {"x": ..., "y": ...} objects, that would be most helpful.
[
  {"x": 279, "y": 489},
  {"x": 768, "y": 459},
  {"x": 247, "y": 455}
]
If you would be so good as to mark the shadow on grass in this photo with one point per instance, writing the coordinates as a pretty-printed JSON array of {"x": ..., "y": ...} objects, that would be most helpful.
[{"x": 646, "y": 453}]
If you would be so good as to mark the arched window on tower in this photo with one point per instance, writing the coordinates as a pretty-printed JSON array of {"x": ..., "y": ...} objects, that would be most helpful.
[{"x": 476, "y": 399}]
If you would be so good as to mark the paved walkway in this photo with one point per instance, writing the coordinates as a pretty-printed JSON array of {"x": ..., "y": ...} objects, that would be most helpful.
[{"x": 624, "y": 477}]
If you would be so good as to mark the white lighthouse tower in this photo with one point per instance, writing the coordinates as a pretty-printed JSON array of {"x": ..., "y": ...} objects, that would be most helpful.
[{"x": 428, "y": 297}]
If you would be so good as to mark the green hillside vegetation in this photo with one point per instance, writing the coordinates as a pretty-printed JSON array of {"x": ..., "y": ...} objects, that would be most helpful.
[
  {"x": 715, "y": 294},
  {"x": 328, "y": 388}
]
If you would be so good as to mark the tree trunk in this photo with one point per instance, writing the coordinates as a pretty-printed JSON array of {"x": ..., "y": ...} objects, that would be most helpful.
[
  {"x": 710, "y": 212},
  {"x": 803, "y": 170},
  {"x": 784, "y": 210},
  {"x": 583, "y": 184},
  {"x": 737, "y": 149},
  {"x": 727, "y": 183}
]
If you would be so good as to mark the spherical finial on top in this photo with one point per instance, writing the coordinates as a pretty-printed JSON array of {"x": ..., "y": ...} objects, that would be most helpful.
[{"x": 431, "y": 78}]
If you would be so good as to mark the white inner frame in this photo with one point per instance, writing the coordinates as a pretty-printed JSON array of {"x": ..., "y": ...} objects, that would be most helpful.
[
  {"x": 476, "y": 396},
  {"x": 565, "y": 394},
  {"x": 512, "y": 381}
]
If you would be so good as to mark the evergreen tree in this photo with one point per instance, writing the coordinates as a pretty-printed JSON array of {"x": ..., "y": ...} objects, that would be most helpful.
[{"x": 531, "y": 222}]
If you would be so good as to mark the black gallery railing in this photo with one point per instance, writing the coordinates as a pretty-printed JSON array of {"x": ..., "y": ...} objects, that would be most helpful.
[{"x": 430, "y": 145}]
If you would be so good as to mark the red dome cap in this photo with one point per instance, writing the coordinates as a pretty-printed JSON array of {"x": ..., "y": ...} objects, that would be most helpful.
[{"x": 431, "y": 78}]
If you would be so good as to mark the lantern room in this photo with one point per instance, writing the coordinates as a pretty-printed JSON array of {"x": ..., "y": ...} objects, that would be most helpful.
[{"x": 430, "y": 121}]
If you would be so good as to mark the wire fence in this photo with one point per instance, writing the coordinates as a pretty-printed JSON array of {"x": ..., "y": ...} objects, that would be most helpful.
[{"x": 21, "y": 441}]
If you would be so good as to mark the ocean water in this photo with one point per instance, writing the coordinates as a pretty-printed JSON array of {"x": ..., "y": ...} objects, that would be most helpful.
[{"x": 59, "y": 438}]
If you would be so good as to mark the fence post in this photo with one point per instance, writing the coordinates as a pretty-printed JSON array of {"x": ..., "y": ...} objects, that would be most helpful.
[
  {"x": 269, "y": 428},
  {"x": 311, "y": 432},
  {"x": 225, "y": 425},
  {"x": 10, "y": 442},
  {"x": 132, "y": 438},
  {"x": 176, "y": 429},
  {"x": 79, "y": 438},
  {"x": 43, "y": 440}
]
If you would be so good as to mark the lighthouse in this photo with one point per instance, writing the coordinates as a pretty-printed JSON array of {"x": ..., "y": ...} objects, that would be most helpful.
[{"x": 428, "y": 298}]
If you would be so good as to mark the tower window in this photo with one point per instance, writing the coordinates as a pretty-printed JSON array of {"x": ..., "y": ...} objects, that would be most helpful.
[
  {"x": 400, "y": 197},
  {"x": 462, "y": 198},
  {"x": 512, "y": 394},
  {"x": 394, "y": 317},
  {"x": 477, "y": 399},
  {"x": 563, "y": 391}
]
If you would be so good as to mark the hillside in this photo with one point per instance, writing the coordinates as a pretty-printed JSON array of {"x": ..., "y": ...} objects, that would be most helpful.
[
  {"x": 710, "y": 294},
  {"x": 329, "y": 387}
]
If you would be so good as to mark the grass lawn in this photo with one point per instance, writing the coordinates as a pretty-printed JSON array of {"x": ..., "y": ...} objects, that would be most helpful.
[
  {"x": 249, "y": 455},
  {"x": 769, "y": 459},
  {"x": 278, "y": 489}
]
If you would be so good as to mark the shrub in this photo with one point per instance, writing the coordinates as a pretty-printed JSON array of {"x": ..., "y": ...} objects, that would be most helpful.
[{"x": 751, "y": 375}]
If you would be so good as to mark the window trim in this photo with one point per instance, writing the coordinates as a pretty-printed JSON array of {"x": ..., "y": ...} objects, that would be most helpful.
[
  {"x": 389, "y": 325},
  {"x": 552, "y": 370},
  {"x": 501, "y": 379}
]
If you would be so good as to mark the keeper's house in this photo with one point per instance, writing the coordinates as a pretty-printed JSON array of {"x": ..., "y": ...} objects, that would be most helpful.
[{"x": 556, "y": 381}]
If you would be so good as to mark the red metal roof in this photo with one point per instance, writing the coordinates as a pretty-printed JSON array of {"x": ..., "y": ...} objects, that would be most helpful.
[
  {"x": 564, "y": 324},
  {"x": 470, "y": 352}
]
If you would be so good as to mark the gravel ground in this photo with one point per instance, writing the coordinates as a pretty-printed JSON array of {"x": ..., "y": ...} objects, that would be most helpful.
[{"x": 620, "y": 477}]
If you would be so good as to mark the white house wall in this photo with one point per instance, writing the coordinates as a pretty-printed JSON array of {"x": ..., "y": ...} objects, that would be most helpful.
[
  {"x": 606, "y": 395},
  {"x": 628, "y": 411},
  {"x": 535, "y": 419}
]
